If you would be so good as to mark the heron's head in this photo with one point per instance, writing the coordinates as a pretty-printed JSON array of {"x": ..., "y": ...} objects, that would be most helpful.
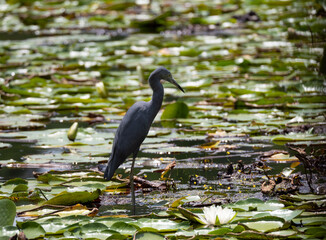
[{"x": 164, "y": 74}]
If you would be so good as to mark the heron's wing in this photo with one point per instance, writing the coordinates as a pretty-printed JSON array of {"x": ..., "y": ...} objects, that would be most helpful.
[
  {"x": 130, "y": 134},
  {"x": 133, "y": 129}
]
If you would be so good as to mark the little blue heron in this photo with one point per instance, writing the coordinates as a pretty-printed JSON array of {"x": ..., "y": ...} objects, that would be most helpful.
[{"x": 135, "y": 125}]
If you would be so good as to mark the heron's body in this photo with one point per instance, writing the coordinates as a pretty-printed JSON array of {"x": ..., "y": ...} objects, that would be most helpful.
[
  {"x": 130, "y": 134},
  {"x": 135, "y": 125}
]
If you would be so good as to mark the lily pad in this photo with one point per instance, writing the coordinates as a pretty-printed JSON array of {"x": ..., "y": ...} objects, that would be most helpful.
[
  {"x": 70, "y": 198},
  {"x": 256, "y": 204},
  {"x": 161, "y": 225},
  {"x": 175, "y": 110},
  {"x": 264, "y": 226},
  {"x": 148, "y": 235},
  {"x": 32, "y": 230},
  {"x": 124, "y": 228},
  {"x": 8, "y": 231},
  {"x": 7, "y": 212}
]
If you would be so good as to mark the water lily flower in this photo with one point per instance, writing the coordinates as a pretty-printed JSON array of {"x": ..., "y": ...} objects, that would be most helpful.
[{"x": 216, "y": 215}]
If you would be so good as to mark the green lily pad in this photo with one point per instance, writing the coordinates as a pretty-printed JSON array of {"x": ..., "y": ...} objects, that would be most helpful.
[
  {"x": 286, "y": 214},
  {"x": 22, "y": 122},
  {"x": 310, "y": 220},
  {"x": 16, "y": 181},
  {"x": 256, "y": 204},
  {"x": 221, "y": 231},
  {"x": 124, "y": 228},
  {"x": 283, "y": 233},
  {"x": 8, "y": 231},
  {"x": 264, "y": 226},
  {"x": 7, "y": 212},
  {"x": 109, "y": 221},
  {"x": 32, "y": 230},
  {"x": 183, "y": 200},
  {"x": 175, "y": 110},
  {"x": 148, "y": 235},
  {"x": 189, "y": 215},
  {"x": 297, "y": 137},
  {"x": 161, "y": 225},
  {"x": 20, "y": 188},
  {"x": 93, "y": 227},
  {"x": 70, "y": 198},
  {"x": 316, "y": 232},
  {"x": 252, "y": 81}
]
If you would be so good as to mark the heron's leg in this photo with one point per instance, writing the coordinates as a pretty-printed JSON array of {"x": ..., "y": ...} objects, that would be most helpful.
[{"x": 132, "y": 186}]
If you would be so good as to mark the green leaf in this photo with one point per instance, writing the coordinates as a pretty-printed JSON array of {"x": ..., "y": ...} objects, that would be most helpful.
[
  {"x": 296, "y": 137},
  {"x": 16, "y": 181},
  {"x": 8, "y": 231},
  {"x": 32, "y": 230},
  {"x": 20, "y": 188},
  {"x": 285, "y": 214},
  {"x": 124, "y": 228},
  {"x": 238, "y": 229},
  {"x": 221, "y": 231},
  {"x": 189, "y": 215},
  {"x": 94, "y": 227},
  {"x": 109, "y": 221},
  {"x": 7, "y": 212},
  {"x": 264, "y": 226},
  {"x": 316, "y": 232},
  {"x": 282, "y": 233},
  {"x": 48, "y": 177},
  {"x": 184, "y": 199},
  {"x": 148, "y": 235},
  {"x": 161, "y": 225},
  {"x": 251, "y": 204},
  {"x": 303, "y": 197},
  {"x": 310, "y": 221},
  {"x": 117, "y": 236},
  {"x": 70, "y": 198},
  {"x": 95, "y": 230},
  {"x": 56, "y": 227},
  {"x": 197, "y": 85},
  {"x": 175, "y": 110},
  {"x": 248, "y": 234}
]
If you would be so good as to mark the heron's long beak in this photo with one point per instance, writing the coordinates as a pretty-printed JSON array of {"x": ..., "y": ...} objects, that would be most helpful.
[{"x": 176, "y": 84}]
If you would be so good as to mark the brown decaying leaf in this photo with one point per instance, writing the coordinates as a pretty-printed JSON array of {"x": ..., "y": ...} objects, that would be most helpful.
[{"x": 169, "y": 167}]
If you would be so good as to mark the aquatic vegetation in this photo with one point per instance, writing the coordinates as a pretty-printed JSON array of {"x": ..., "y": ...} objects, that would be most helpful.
[{"x": 251, "y": 125}]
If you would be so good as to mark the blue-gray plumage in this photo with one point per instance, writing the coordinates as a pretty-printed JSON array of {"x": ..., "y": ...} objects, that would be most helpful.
[{"x": 135, "y": 125}]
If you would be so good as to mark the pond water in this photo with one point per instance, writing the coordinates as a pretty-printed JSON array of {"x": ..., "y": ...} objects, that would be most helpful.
[{"x": 209, "y": 166}]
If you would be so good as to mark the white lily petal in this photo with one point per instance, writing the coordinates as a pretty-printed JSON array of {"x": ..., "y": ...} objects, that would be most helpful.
[
  {"x": 225, "y": 215},
  {"x": 211, "y": 213}
]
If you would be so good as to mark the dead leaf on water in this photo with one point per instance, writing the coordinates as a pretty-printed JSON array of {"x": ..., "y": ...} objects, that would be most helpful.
[
  {"x": 282, "y": 157},
  {"x": 210, "y": 145}
]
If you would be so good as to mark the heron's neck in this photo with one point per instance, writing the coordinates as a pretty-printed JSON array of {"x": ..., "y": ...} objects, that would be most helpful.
[{"x": 157, "y": 98}]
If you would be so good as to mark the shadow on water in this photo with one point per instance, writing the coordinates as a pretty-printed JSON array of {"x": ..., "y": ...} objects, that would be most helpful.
[{"x": 17, "y": 35}]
